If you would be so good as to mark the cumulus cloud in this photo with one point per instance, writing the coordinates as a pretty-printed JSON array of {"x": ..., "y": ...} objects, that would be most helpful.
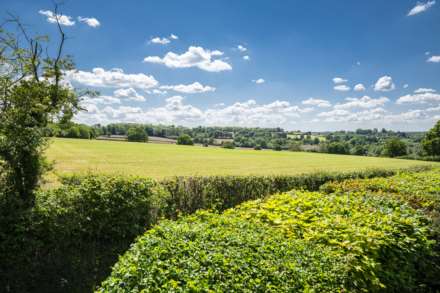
[
  {"x": 241, "y": 48},
  {"x": 421, "y": 7},
  {"x": 317, "y": 102},
  {"x": 99, "y": 77},
  {"x": 102, "y": 100},
  {"x": 90, "y": 21},
  {"x": 161, "y": 41},
  {"x": 62, "y": 19},
  {"x": 359, "y": 87},
  {"x": 130, "y": 94},
  {"x": 164, "y": 40},
  {"x": 420, "y": 97},
  {"x": 364, "y": 102},
  {"x": 339, "y": 80},
  {"x": 434, "y": 59},
  {"x": 259, "y": 81},
  {"x": 405, "y": 86},
  {"x": 246, "y": 57},
  {"x": 193, "y": 88},
  {"x": 424, "y": 90},
  {"x": 175, "y": 110},
  {"x": 341, "y": 88},
  {"x": 193, "y": 57},
  {"x": 384, "y": 84},
  {"x": 341, "y": 115}
]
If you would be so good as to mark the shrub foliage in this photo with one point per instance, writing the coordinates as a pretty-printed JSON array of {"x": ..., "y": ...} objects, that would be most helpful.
[{"x": 292, "y": 242}]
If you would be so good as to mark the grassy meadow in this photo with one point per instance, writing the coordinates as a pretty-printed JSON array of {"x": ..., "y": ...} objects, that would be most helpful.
[{"x": 166, "y": 160}]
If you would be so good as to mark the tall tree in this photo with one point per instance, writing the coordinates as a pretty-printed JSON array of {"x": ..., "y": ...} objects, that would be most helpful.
[
  {"x": 431, "y": 141},
  {"x": 32, "y": 94}
]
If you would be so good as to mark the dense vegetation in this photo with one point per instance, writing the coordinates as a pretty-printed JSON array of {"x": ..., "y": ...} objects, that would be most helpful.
[
  {"x": 68, "y": 241},
  {"x": 362, "y": 142},
  {"x": 345, "y": 239}
]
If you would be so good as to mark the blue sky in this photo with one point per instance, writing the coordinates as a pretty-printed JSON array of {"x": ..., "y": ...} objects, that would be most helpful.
[{"x": 311, "y": 65}]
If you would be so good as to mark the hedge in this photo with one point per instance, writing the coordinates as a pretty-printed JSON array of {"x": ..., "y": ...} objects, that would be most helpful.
[
  {"x": 294, "y": 242},
  {"x": 74, "y": 234},
  {"x": 70, "y": 239}
]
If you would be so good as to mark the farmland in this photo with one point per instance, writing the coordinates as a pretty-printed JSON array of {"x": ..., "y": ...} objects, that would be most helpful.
[{"x": 163, "y": 160}]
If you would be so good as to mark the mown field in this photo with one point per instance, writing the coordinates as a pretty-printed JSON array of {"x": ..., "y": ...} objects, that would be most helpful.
[{"x": 162, "y": 160}]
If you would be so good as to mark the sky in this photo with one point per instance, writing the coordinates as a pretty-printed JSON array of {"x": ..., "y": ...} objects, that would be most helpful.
[{"x": 300, "y": 65}]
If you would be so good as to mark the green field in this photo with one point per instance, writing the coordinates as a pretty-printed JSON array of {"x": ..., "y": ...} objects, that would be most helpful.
[{"x": 164, "y": 160}]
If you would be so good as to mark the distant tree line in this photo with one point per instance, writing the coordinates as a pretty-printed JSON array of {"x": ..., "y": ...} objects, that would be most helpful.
[{"x": 362, "y": 142}]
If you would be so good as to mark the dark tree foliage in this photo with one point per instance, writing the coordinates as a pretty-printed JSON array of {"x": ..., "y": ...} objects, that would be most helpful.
[
  {"x": 431, "y": 142},
  {"x": 137, "y": 134},
  {"x": 395, "y": 148},
  {"x": 338, "y": 148},
  {"x": 32, "y": 95},
  {"x": 185, "y": 139}
]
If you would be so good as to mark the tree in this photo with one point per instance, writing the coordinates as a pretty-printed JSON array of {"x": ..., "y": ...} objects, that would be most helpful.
[
  {"x": 185, "y": 139},
  {"x": 431, "y": 141},
  {"x": 32, "y": 95},
  {"x": 395, "y": 148},
  {"x": 338, "y": 148},
  {"x": 137, "y": 134}
]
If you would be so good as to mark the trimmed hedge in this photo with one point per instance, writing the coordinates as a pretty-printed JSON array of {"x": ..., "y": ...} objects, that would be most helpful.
[
  {"x": 189, "y": 194},
  {"x": 70, "y": 239},
  {"x": 295, "y": 242},
  {"x": 74, "y": 234}
]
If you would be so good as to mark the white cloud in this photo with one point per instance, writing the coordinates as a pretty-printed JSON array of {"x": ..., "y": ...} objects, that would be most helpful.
[
  {"x": 246, "y": 57},
  {"x": 317, "y": 102},
  {"x": 103, "y": 100},
  {"x": 359, "y": 87},
  {"x": 364, "y": 102},
  {"x": 434, "y": 59},
  {"x": 422, "y": 97},
  {"x": 158, "y": 92},
  {"x": 62, "y": 19},
  {"x": 405, "y": 86},
  {"x": 341, "y": 88},
  {"x": 421, "y": 7},
  {"x": 193, "y": 88},
  {"x": 259, "y": 81},
  {"x": 175, "y": 110},
  {"x": 194, "y": 57},
  {"x": 161, "y": 41},
  {"x": 90, "y": 21},
  {"x": 424, "y": 90},
  {"x": 164, "y": 40},
  {"x": 99, "y": 77},
  {"x": 130, "y": 94},
  {"x": 339, "y": 80},
  {"x": 384, "y": 84},
  {"x": 341, "y": 115},
  {"x": 241, "y": 48}
]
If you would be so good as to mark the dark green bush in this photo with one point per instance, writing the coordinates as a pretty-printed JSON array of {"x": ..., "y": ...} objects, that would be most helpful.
[
  {"x": 297, "y": 242},
  {"x": 188, "y": 194},
  {"x": 70, "y": 239},
  {"x": 68, "y": 242}
]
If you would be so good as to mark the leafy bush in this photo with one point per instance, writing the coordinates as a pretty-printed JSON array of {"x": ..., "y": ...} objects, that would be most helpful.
[
  {"x": 72, "y": 236},
  {"x": 395, "y": 147},
  {"x": 431, "y": 142},
  {"x": 301, "y": 241},
  {"x": 188, "y": 194},
  {"x": 137, "y": 134},
  {"x": 185, "y": 139}
]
